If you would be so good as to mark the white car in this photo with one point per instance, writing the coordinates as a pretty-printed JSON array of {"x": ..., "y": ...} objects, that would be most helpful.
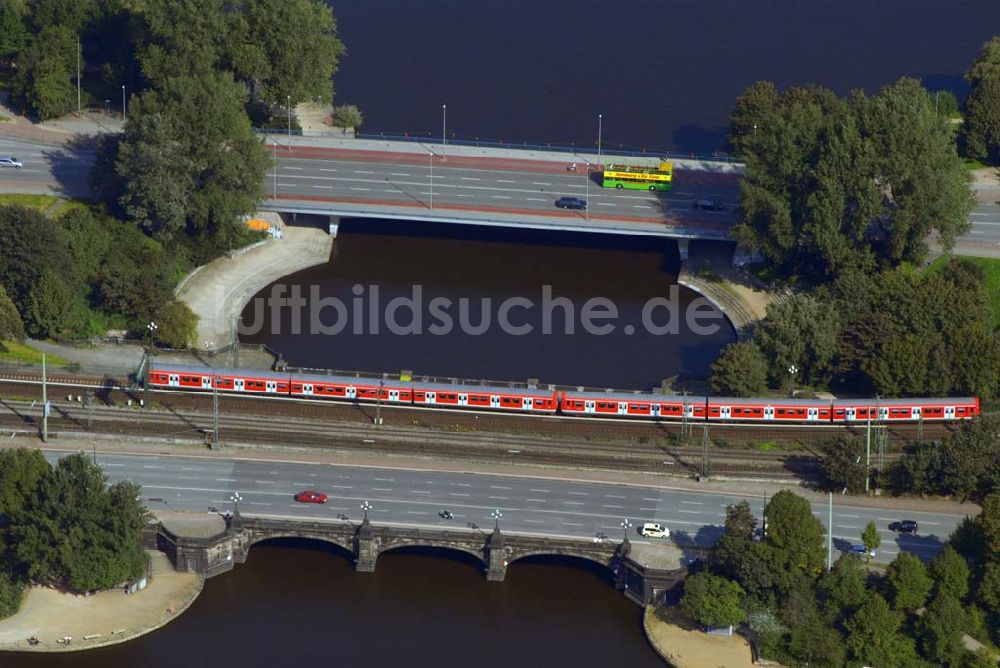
[
  {"x": 10, "y": 161},
  {"x": 653, "y": 530}
]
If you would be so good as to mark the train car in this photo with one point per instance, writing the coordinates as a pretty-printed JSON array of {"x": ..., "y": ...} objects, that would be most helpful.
[
  {"x": 227, "y": 380},
  {"x": 897, "y": 410},
  {"x": 351, "y": 388},
  {"x": 778, "y": 410},
  {"x": 635, "y": 405},
  {"x": 485, "y": 397}
]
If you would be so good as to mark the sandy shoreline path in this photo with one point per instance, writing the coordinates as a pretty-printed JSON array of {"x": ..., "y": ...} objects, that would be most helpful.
[{"x": 106, "y": 618}]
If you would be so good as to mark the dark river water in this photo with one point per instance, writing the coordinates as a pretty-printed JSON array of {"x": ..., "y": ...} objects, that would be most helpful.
[
  {"x": 663, "y": 74},
  {"x": 299, "y": 603},
  {"x": 629, "y": 274}
]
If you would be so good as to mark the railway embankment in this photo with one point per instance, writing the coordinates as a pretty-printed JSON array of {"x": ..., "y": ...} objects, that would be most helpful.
[{"x": 218, "y": 291}]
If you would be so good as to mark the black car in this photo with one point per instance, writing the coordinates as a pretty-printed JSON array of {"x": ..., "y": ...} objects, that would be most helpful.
[
  {"x": 708, "y": 204},
  {"x": 904, "y": 526},
  {"x": 571, "y": 203}
]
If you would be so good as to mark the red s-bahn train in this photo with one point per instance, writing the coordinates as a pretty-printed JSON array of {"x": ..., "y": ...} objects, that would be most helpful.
[{"x": 537, "y": 401}]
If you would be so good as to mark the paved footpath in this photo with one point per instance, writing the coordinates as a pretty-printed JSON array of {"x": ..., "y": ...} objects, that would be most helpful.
[{"x": 105, "y": 618}]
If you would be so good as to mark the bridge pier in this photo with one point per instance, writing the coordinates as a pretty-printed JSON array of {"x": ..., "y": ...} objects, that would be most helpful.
[
  {"x": 496, "y": 557},
  {"x": 365, "y": 548},
  {"x": 334, "y": 225},
  {"x": 683, "y": 247}
]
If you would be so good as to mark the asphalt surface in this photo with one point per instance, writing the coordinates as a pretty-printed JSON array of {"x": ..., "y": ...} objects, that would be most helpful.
[
  {"x": 406, "y": 497},
  {"x": 364, "y": 186}
]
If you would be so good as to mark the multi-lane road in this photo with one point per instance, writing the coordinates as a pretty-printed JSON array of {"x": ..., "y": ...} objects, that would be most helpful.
[
  {"x": 550, "y": 506},
  {"x": 434, "y": 186}
]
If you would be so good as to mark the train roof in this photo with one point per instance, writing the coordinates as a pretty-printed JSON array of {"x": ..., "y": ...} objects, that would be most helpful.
[
  {"x": 630, "y": 396},
  {"x": 417, "y": 384}
]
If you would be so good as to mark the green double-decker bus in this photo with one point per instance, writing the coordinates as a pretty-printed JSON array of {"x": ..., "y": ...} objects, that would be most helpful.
[{"x": 635, "y": 177}]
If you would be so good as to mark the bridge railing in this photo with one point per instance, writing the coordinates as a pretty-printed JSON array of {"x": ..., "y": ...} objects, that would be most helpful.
[{"x": 610, "y": 149}]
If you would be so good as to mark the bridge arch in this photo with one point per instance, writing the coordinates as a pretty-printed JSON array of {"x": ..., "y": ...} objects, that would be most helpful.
[
  {"x": 602, "y": 561},
  {"x": 435, "y": 547},
  {"x": 319, "y": 538}
]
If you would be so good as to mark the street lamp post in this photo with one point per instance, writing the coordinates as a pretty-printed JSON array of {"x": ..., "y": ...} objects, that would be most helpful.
[
  {"x": 123, "y": 103},
  {"x": 600, "y": 119},
  {"x": 793, "y": 370},
  {"x": 444, "y": 124},
  {"x": 151, "y": 328},
  {"x": 431, "y": 156},
  {"x": 288, "y": 104},
  {"x": 236, "y": 498},
  {"x": 625, "y": 524},
  {"x": 378, "y": 404},
  {"x": 275, "y": 168},
  {"x": 496, "y": 515},
  {"x": 365, "y": 506}
]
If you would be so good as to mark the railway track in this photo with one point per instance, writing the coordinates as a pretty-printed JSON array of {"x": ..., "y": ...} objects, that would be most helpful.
[{"x": 184, "y": 424}]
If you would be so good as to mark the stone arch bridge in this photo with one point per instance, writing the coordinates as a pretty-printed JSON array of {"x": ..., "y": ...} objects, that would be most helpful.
[{"x": 213, "y": 555}]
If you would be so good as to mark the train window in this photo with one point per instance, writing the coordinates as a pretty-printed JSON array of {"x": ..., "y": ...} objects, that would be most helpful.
[{"x": 781, "y": 411}]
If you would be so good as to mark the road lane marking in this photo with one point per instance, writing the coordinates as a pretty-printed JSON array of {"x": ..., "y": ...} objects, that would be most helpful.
[
  {"x": 381, "y": 489},
  {"x": 327, "y": 170},
  {"x": 537, "y": 500},
  {"x": 578, "y": 493},
  {"x": 853, "y": 517},
  {"x": 225, "y": 480},
  {"x": 690, "y": 512},
  {"x": 571, "y": 524},
  {"x": 534, "y": 521},
  {"x": 540, "y": 183},
  {"x": 192, "y": 468},
  {"x": 499, "y": 487},
  {"x": 538, "y": 490},
  {"x": 693, "y": 503},
  {"x": 397, "y": 174},
  {"x": 573, "y": 503},
  {"x": 288, "y": 167},
  {"x": 419, "y": 491},
  {"x": 365, "y": 189},
  {"x": 360, "y": 171},
  {"x": 456, "y": 494},
  {"x": 265, "y": 482},
  {"x": 610, "y": 506},
  {"x": 500, "y": 498},
  {"x": 148, "y": 466},
  {"x": 614, "y": 496},
  {"x": 469, "y": 178}
]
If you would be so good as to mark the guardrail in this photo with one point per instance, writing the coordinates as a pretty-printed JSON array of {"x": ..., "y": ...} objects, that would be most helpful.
[{"x": 482, "y": 142}]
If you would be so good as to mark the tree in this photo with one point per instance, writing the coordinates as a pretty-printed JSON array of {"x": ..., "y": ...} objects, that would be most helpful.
[
  {"x": 295, "y": 50},
  {"x": 940, "y": 631},
  {"x": 189, "y": 161},
  {"x": 981, "y": 130},
  {"x": 834, "y": 185},
  {"x": 907, "y": 582},
  {"x": 971, "y": 461},
  {"x": 737, "y": 536},
  {"x": 347, "y": 116},
  {"x": 51, "y": 307},
  {"x": 21, "y": 470},
  {"x": 801, "y": 332},
  {"x": 13, "y": 31},
  {"x": 740, "y": 371},
  {"x": 843, "y": 464},
  {"x": 950, "y": 574},
  {"x": 44, "y": 71},
  {"x": 11, "y": 594},
  {"x": 814, "y": 643},
  {"x": 871, "y": 538},
  {"x": 844, "y": 586},
  {"x": 76, "y": 532},
  {"x": 176, "y": 325},
  {"x": 795, "y": 533},
  {"x": 11, "y": 327},
  {"x": 711, "y": 600},
  {"x": 873, "y": 636}
]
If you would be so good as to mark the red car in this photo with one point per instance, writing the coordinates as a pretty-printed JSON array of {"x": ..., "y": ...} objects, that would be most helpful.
[{"x": 310, "y": 496}]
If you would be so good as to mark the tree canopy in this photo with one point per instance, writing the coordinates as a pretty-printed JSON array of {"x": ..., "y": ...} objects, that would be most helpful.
[
  {"x": 712, "y": 601},
  {"x": 834, "y": 184},
  {"x": 981, "y": 130},
  {"x": 740, "y": 371},
  {"x": 76, "y": 532}
]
